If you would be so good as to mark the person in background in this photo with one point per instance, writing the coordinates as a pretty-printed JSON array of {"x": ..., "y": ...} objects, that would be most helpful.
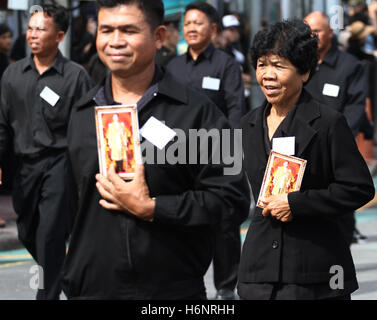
[
  {"x": 6, "y": 37},
  {"x": 83, "y": 40},
  {"x": 294, "y": 243},
  {"x": 96, "y": 69},
  {"x": 340, "y": 82},
  {"x": 19, "y": 49},
  {"x": 37, "y": 96},
  {"x": 218, "y": 75},
  {"x": 169, "y": 48},
  {"x": 232, "y": 32}
]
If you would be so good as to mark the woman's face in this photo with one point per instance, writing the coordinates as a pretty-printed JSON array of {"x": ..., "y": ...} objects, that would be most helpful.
[{"x": 279, "y": 80}]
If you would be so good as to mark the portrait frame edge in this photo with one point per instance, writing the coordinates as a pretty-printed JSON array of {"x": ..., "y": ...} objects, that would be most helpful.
[
  {"x": 135, "y": 132},
  {"x": 267, "y": 175}
]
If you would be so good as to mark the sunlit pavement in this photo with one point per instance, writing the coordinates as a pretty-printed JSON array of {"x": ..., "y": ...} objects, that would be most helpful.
[{"x": 15, "y": 265}]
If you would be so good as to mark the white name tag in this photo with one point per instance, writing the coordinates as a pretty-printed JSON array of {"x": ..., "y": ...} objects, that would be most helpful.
[
  {"x": 211, "y": 83},
  {"x": 284, "y": 146},
  {"x": 331, "y": 90},
  {"x": 157, "y": 133},
  {"x": 49, "y": 96}
]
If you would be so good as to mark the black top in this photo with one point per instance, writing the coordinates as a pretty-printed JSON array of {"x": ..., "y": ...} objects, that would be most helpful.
[
  {"x": 262, "y": 291},
  {"x": 346, "y": 72},
  {"x": 27, "y": 120},
  {"x": 217, "y": 64},
  {"x": 279, "y": 132},
  {"x": 4, "y": 63},
  {"x": 336, "y": 181},
  {"x": 166, "y": 259},
  {"x": 164, "y": 56}
]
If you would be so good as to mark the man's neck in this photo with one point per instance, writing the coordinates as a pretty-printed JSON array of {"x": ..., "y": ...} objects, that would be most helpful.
[
  {"x": 130, "y": 89},
  {"x": 42, "y": 63},
  {"x": 323, "y": 54},
  {"x": 197, "y": 51}
]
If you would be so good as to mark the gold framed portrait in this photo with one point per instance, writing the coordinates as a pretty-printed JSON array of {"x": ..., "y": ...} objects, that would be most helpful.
[
  {"x": 118, "y": 139},
  {"x": 283, "y": 175}
]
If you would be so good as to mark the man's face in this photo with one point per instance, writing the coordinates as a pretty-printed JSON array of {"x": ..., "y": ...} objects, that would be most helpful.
[
  {"x": 232, "y": 34},
  {"x": 43, "y": 35},
  {"x": 125, "y": 42},
  {"x": 197, "y": 29},
  {"x": 5, "y": 42},
  {"x": 319, "y": 26}
]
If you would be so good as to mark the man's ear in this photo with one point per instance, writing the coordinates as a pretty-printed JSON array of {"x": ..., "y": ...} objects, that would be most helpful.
[
  {"x": 60, "y": 36},
  {"x": 214, "y": 28},
  {"x": 159, "y": 36},
  {"x": 305, "y": 77}
]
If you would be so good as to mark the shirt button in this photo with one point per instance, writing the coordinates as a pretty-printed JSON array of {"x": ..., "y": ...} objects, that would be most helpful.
[{"x": 275, "y": 244}]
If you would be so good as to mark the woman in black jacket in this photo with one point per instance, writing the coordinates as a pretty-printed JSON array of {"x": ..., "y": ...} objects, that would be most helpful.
[{"x": 294, "y": 248}]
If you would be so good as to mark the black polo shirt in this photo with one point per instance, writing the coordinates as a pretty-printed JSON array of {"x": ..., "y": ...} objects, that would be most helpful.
[
  {"x": 213, "y": 63},
  {"x": 28, "y": 121},
  {"x": 341, "y": 72}
]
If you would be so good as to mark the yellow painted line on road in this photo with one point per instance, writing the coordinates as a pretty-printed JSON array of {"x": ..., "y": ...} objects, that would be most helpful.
[
  {"x": 15, "y": 264},
  {"x": 15, "y": 256}
]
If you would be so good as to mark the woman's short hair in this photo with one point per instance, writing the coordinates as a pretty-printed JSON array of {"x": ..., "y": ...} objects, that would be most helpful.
[{"x": 290, "y": 39}]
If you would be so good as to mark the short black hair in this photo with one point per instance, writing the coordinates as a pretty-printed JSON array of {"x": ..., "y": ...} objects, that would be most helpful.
[
  {"x": 153, "y": 9},
  {"x": 206, "y": 8},
  {"x": 58, "y": 13},
  {"x": 4, "y": 28},
  {"x": 290, "y": 39}
]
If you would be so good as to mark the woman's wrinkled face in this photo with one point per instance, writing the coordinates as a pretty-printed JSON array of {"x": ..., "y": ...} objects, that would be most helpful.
[{"x": 279, "y": 80}]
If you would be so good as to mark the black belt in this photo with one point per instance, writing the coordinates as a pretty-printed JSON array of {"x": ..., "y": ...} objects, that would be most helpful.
[{"x": 42, "y": 153}]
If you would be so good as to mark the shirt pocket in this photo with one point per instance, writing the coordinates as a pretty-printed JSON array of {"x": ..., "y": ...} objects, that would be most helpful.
[{"x": 57, "y": 116}]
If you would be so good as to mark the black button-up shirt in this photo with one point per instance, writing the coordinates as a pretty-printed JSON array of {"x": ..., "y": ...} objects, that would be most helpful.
[
  {"x": 214, "y": 63},
  {"x": 342, "y": 70},
  {"x": 28, "y": 121}
]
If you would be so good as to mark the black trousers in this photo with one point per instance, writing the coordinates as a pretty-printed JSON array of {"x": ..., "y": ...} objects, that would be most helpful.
[
  {"x": 227, "y": 256},
  {"x": 39, "y": 199}
]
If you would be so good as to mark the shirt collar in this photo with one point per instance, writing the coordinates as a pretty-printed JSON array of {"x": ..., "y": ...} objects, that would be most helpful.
[
  {"x": 331, "y": 57},
  {"x": 206, "y": 54},
  {"x": 58, "y": 64},
  {"x": 167, "y": 86},
  {"x": 108, "y": 90}
]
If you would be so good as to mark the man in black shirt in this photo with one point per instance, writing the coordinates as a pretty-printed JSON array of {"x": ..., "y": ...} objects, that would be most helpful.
[
  {"x": 341, "y": 82},
  {"x": 5, "y": 46},
  {"x": 218, "y": 75},
  {"x": 206, "y": 68},
  {"x": 37, "y": 95},
  {"x": 151, "y": 238},
  {"x": 6, "y": 37}
]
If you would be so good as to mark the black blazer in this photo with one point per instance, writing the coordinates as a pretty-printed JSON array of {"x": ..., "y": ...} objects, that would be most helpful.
[{"x": 336, "y": 181}]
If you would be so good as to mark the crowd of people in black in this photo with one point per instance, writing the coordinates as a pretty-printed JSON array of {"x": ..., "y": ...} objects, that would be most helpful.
[{"x": 156, "y": 236}]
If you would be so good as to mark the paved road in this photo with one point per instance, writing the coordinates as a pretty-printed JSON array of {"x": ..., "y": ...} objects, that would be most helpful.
[{"x": 15, "y": 265}]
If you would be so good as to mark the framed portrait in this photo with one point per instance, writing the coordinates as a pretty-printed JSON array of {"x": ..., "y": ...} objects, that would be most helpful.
[
  {"x": 283, "y": 175},
  {"x": 118, "y": 139}
]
